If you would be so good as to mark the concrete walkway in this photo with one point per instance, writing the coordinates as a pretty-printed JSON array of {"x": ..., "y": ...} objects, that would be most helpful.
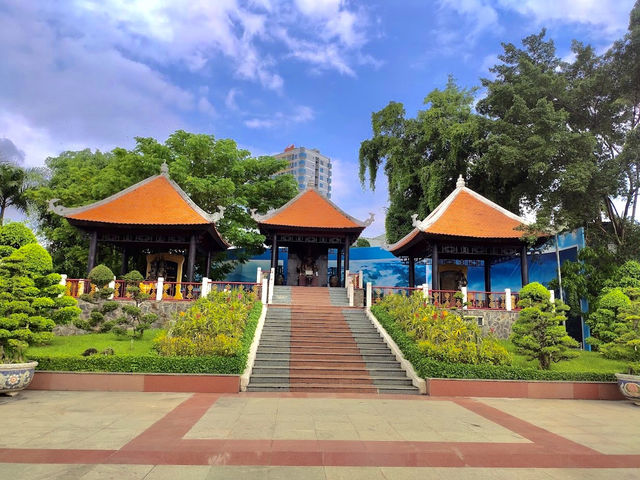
[{"x": 48, "y": 434}]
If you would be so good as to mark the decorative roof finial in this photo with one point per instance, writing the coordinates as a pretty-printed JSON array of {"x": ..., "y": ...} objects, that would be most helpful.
[
  {"x": 460, "y": 183},
  {"x": 164, "y": 168}
]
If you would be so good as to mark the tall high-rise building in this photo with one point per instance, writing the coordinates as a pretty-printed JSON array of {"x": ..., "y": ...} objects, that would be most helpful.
[{"x": 309, "y": 167}]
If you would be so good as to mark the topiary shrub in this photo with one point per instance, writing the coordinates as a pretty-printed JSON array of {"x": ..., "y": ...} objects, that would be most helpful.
[
  {"x": 539, "y": 332},
  {"x": 16, "y": 235},
  {"x": 101, "y": 276},
  {"x": 133, "y": 322},
  {"x": 626, "y": 330},
  {"x": 30, "y": 301},
  {"x": 604, "y": 321}
]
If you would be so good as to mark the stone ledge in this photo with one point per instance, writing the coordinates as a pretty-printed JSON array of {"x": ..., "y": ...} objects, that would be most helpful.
[
  {"x": 135, "y": 382},
  {"x": 456, "y": 387}
]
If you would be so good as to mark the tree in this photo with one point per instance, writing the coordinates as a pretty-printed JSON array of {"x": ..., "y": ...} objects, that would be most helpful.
[
  {"x": 362, "y": 242},
  {"x": 213, "y": 172},
  {"x": 539, "y": 332},
  {"x": 13, "y": 184},
  {"x": 422, "y": 156},
  {"x": 31, "y": 301},
  {"x": 534, "y": 158}
]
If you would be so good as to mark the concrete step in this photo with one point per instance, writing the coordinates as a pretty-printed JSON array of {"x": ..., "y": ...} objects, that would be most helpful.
[
  {"x": 285, "y": 363},
  {"x": 308, "y": 387},
  {"x": 312, "y": 370}
]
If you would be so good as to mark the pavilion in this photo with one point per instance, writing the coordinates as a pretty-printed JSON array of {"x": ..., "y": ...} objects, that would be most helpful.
[
  {"x": 309, "y": 225},
  {"x": 466, "y": 229},
  {"x": 153, "y": 217}
]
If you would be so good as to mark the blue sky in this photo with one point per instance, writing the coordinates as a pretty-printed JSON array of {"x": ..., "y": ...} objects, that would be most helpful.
[{"x": 267, "y": 73}]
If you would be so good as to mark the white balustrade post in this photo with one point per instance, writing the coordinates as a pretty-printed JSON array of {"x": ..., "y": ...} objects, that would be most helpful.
[
  {"x": 369, "y": 295},
  {"x": 272, "y": 281},
  {"x": 112, "y": 286},
  {"x": 507, "y": 299},
  {"x": 63, "y": 282},
  {"x": 204, "y": 291},
  {"x": 259, "y": 275},
  {"x": 265, "y": 290},
  {"x": 425, "y": 292},
  {"x": 81, "y": 287},
  {"x": 159, "y": 288},
  {"x": 464, "y": 297},
  {"x": 360, "y": 279},
  {"x": 350, "y": 294},
  {"x": 552, "y": 296},
  {"x": 347, "y": 280}
]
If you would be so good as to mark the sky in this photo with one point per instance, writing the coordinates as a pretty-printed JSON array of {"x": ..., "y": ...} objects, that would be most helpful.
[{"x": 266, "y": 73}]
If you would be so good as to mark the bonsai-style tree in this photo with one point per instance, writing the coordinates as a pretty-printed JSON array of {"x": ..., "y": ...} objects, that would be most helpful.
[
  {"x": 13, "y": 236},
  {"x": 31, "y": 301},
  {"x": 134, "y": 322},
  {"x": 605, "y": 320},
  {"x": 626, "y": 345},
  {"x": 539, "y": 332}
]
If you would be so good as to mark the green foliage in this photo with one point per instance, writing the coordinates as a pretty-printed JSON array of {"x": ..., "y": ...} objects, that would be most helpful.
[
  {"x": 29, "y": 302},
  {"x": 30, "y": 259},
  {"x": 213, "y": 172},
  {"x": 16, "y": 235},
  {"x": 133, "y": 322},
  {"x": 362, "y": 242},
  {"x": 15, "y": 183},
  {"x": 626, "y": 276},
  {"x": 624, "y": 343},
  {"x": 6, "y": 250},
  {"x": 539, "y": 332},
  {"x": 443, "y": 334},
  {"x": 430, "y": 368},
  {"x": 422, "y": 156},
  {"x": 214, "y": 325},
  {"x": 101, "y": 276},
  {"x": 604, "y": 320},
  {"x": 145, "y": 362}
]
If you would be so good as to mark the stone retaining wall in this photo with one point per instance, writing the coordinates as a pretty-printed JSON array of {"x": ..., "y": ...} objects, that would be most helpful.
[
  {"x": 166, "y": 310},
  {"x": 498, "y": 322}
]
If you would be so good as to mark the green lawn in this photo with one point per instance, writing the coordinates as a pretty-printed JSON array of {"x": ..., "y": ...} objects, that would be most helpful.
[
  {"x": 585, "y": 362},
  {"x": 76, "y": 344}
]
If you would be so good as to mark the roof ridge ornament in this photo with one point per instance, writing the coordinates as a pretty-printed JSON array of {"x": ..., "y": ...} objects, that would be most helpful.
[
  {"x": 370, "y": 220},
  {"x": 460, "y": 183},
  {"x": 219, "y": 215},
  {"x": 164, "y": 169}
]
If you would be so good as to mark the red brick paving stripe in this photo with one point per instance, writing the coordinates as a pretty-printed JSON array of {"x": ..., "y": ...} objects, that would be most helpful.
[
  {"x": 525, "y": 429},
  {"x": 163, "y": 444}
]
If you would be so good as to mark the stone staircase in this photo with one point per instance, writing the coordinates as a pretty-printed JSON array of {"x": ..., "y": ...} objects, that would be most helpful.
[{"x": 313, "y": 341}]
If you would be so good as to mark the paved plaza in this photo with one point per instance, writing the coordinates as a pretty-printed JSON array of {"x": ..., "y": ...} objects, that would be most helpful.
[{"x": 122, "y": 435}]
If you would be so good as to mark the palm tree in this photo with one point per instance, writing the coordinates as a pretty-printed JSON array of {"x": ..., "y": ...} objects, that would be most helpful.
[{"x": 14, "y": 183}]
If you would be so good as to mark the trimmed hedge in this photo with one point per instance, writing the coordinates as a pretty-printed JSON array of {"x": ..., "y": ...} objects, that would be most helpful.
[
  {"x": 155, "y": 363},
  {"x": 429, "y": 368}
]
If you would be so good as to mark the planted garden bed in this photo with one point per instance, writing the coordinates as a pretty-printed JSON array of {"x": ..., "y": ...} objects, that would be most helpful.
[{"x": 65, "y": 354}]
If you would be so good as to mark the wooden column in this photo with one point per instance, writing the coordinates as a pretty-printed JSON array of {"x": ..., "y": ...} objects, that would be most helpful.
[
  {"x": 346, "y": 259},
  {"x": 274, "y": 251},
  {"x": 487, "y": 275},
  {"x": 435, "y": 276},
  {"x": 93, "y": 250},
  {"x": 524, "y": 268},
  {"x": 339, "y": 265},
  {"x": 192, "y": 257},
  {"x": 125, "y": 261},
  {"x": 412, "y": 271},
  {"x": 208, "y": 267}
]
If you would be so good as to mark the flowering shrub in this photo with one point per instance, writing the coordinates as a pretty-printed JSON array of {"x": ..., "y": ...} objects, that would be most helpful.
[
  {"x": 212, "y": 326},
  {"x": 443, "y": 334}
]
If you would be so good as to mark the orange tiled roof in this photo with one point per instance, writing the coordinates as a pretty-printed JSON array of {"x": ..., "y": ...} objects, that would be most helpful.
[
  {"x": 465, "y": 213},
  {"x": 154, "y": 201},
  {"x": 467, "y": 216},
  {"x": 311, "y": 210}
]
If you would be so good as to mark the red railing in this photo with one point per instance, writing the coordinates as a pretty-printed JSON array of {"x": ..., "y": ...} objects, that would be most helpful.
[
  {"x": 246, "y": 286},
  {"x": 181, "y": 291},
  {"x": 120, "y": 289},
  {"x": 446, "y": 298},
  {"x": 74, "y": 287},
  {"x": 491, "y": 300},
  {"x": 378, "y": 292}
]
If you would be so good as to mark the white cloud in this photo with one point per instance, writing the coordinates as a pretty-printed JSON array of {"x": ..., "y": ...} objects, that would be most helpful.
[
  {"x": 300, "y": 114},
  {"x": 230, "y": 99},
  {"x": 611, "y": 15},
  {"x": 479, "y": 13},
  {"x": 204, "y": 106}
]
